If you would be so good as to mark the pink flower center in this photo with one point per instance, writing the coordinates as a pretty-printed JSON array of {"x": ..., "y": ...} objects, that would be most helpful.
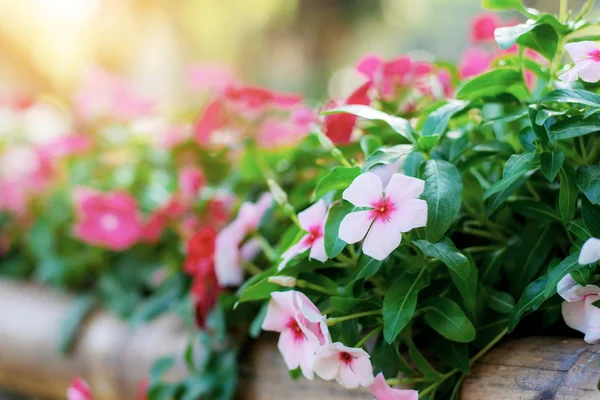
[
  {"x": 346, "y": 358},
  {"x": 595, "y": 55},
  {"x": 314, "y": 233},
  {"x": 296, "y": 330},
  {"x": 382, "y": 210},
  {"x": 109, "y": 222}
]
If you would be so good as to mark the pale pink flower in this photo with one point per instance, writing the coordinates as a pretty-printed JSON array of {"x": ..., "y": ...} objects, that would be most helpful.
[
  {"x": 350, "y": 367},
  {"x": 278, "y": 133},
  {"x": 312, "y": 220},
  {"x": 390, "y": 214},
  {"x": 586, "y": 56},
  {"x": 584, "y": 316},
  {"x": 67, "y": 145},
  {"x": 109, "y": 219},
  {"x": 475, "y": 61},
  {"x": 79, "y": 390},
  {"x": 213, "y": 118},
  {"x": 571, "y": 291},
  {"x": 382, "y": 391},
  {"x": 590, "y": 251},
  {"x": 302, "y": 327},
  {"x": 230, "y": 253},
  {"x": 191, "y": 180},
  {"x": 209, "y": 77}
]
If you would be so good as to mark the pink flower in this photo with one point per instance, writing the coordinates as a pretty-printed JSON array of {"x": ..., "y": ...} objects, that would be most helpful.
[
  {"x": 79, "y": 390},
  {"x": 191, "y": 180},
  {"x": 209, "y": 77},
  {"x": 584, "y": 316},
  {"x": 586, "y": 56},
  {"x": 302, "y": 327},
  {"x": 107, "y": 219},
  {"x": 571, "y": 291},
  {"x": 212, "y": 119},
  {"x": 590, "y": 251},
  {"x": 339, "y": 127},
  {"x": 483, "y": 27},
  {"x": 350, "y": 367},
  {"x": 278, "y": 133},
  {"x": 154, "y": 227},
  {"x": 475, "y": 61},
  {"x": 230, "y": 253},
  {"x": 67, "y": 145},
  {"x": 255, "y": 99},
  {"x": 312, "y": 220},
  {"x": 382, "y": 391},
  {"x": 386, "y": 76},
  {"x": 397, "y": 210}
]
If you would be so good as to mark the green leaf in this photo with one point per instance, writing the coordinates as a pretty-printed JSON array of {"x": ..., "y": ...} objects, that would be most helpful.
[
  {"x": 531, "y": 299},
  {"x": 259, "y": 291},
  {"x": 367, "y": 267},
  {"x": 338, "y": 178},
  {"x": 504, "y": 5},
  {"x": 370, "y": 143},
  {"x": 535, "y": 209},
  {"x": 437, "y": 122},
  {"x": 387, "y": 155},
  {"x": 454, "y": 354},
  {"x": 333, "y": 244},
  {"x": 398, "y": 124},
  {"x": 550, "y": 162},
  {"x": 494, "y": 83},
  {"x": 400, "y": 302},
  {"x": 557, "y": 273},
  {"x": 540, "y": 35},
  {"x": 539, "y": 131},
  {"x": 421, "y": 362},
  {"x": 445, "y": 251},
  {"x": 443, "y": 194},
  {"x": 579, "y": 229},
  {"x": 574, "y": 127},
  {"x": 71, "y": 324},
  {"x": 255, "y": 328},
  {"x": 344, "y": 304},
  {"x": 582, "y": 97},
  {"x": 161, "y": 367},
  {"x": 498, "y": 301},
  {"x": 568, "y": 193},
  {"x": 591, "y": 217},
  {"x": 412, "y": 163},
  {"x": 467, "y": 288},
  {"x": 449, "y": 320},
  {"x": 496, "y": 200},
  {"x": 516, "y": 167},
  {"x": 588, "y": 181}
]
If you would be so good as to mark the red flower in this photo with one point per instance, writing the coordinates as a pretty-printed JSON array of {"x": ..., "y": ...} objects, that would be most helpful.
[{"x": 339, "y": 127}]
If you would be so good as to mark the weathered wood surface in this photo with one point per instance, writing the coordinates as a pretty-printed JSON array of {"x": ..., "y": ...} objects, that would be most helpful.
[{"x": 108, "y": 354}]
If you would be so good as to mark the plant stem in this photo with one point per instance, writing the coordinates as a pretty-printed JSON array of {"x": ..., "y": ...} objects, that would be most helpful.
[
  {"x": 252, "y": 268},
  {"x": 333, "y": 321},
  {"x": 481, "y": 249},
  {"x": 562, "y": 12},
  {"x": 368, "y": 336},
  {"x": 345, "y": 259},
  {"x": 586, "y": 9},
  {"x": 484, "y": 234},
  {"x": 266, "y": 248},
  {"x": 583, "y": 150},
  {"x": 307, "y": 285},
  {"x": 404, "y": 381}
]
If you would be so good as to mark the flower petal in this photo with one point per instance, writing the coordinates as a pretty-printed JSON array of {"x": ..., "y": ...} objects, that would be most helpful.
[
  {"x": 580, "y": 50},
  {"x": 327, "y": 362},
  {"x": 574, "y": 315},
  {"x": 364, "y": 190},
  {"x": 402, "y": 187},
  {"x": 313, "y": 215},
  {"x": 590, "y": 252},
  {"x": 292, "y": 252},
  {"x": 317, "y": 251},
  {"x": 410, "y": 214},
  {"x": 354, "y": 226},
  {"x": 368, "y": 65},
  {"x": 383, "y": 238},
  {"x": 279, "y": 311}
]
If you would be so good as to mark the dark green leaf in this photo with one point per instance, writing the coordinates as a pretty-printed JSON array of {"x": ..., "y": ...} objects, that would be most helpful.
[
  {"x": 496, "y": 200},
  {"x": 76, "y": 314},
  {"x": 400, "y": 302},
  {"x": 494, "y": 83},
  {"x": 535, "y": 209},
  {"x": 387, "y": 155},
  {"x": 412, "y": 163},
  {"x": 339, "y": 178},
  {"x": 445, "y": 251},
  {"x": 498, "y": 301},
  {"x": 568, "y": 193},
  {"x": 551, "y": 162},
  {"x": 588, "y": 180},
  {"x": 443, "y": 194},
  {"x": 454, "y": 354},
  {"x": 591, "y": 217},
  {"x": 449, "y": 320},
  {"x": 516, "y": 167},
  {"x": 333, "y": 244},
  {"x": 367, "y": 267},
  {"x": 467, "y": 288},
  {"x": 557, "y": 273},
  {"x": 437, "y": 122},
  {"x": 579, "y": 229},
  {"x": 540, "y": 35},
  {"x": 575, "y": 126},
  {"x": 531, "y": 299},
  {"x": 344, "y": 304},
  {"x": 421, "y": 362}
]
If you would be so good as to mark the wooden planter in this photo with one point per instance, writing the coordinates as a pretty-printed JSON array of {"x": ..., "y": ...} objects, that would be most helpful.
[{"x": 114, "y": 359}]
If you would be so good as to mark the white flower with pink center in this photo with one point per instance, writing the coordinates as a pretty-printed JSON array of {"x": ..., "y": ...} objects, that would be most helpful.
[
  {"x": 312, "y": 220},
  {"x": 382, "y": 391},
  {"x": 350, "y": 367},
  {"x": 586, "y": 56},
  {"x": 302, "y": 327},
  {"x": 389, "y": 213}
]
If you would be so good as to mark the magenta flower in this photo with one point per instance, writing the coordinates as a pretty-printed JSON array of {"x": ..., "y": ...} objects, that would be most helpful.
[
  {"x": 230, "y": 251},
  {"x": 390, "y": 214},
  {"x": 586, "y": 56},
  {"x": 475, "y": 61},
  {"x": 302, "y": 327},
  {"x": 191, "y": 180},
  {"x": 382, "y": 391},
  {"x": 79, "y": 390},
  {"x": 312, "y": 220},
  {"x": 109, "y": 220},
  {"x": 483, "y": 27},
  {"x": 590, "y": 251},
  {"x": 350, "y": 367}
]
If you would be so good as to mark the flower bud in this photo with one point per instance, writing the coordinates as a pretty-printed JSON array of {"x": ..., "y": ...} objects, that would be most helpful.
[{"x": 282, "y": 280}]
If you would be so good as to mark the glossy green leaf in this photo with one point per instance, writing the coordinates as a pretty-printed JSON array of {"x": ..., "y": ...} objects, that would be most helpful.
[
  {"x": 576, "y": 96},
  {"x": 574, "y": 127},
  {"x": 370, "y": 143},
  {"x": 437, "y": 122},
  {"x": 400, "y": 302},
  {"x": 467, "y": 288},
  {"x": 344, "y": 305},
  {"x": 557, "y": 273},
  {"x": 445, "y": 251},
  {"x": 443, "y": 194},
  {"x": 387, "y": 155},
  {"x": 494, "y": 83},
  {"x": 498, "y": 301},
  {"x": 338, "y": 178},
  {"x": 568, "y": 193},
  {"x": 535, "y": 209},
  {"x": 412, "y": 163},
  {"x": 398, "y": 124},
  {"x": 367, "y": 267},
  {"x": 541, "y": 35},
  {"x": 590, "y": 214},
  {"x": 588, "y": 180},
  {"x": 259, "y": 291},
  {"x": 550, "y": 163},
  {"x": 449, "y": 320},
  {"x": 531, "y": 299},
  {"x": 516, "y": 167},
  {"x": 333, "y": 244}
]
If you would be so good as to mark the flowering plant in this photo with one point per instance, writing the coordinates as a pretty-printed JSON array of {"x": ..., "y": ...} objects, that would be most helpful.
[{"x": 393, "y": 240}]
